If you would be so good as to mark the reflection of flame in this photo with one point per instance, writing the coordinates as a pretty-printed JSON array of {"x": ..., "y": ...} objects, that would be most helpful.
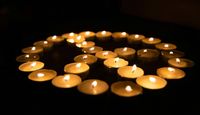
[
  {"x": 136, "y": 36},
  {"x": 27, "y": 56},
  {"x": 87, "y": 33},
  {"x": 92, "y": 48},
  {"x": 171, "y": 52},
  {"x": 103, "y": 32},
  {"x": 166, "y": 45},
  {"x": 71, "y": 34},
  {"x": 123, "y": 33},
  {"x": 116, "y": 60},
  {"x": 152, "y": 79},
  {"x": 66, "y": 77},
  {"x": 33, "y": 64},
  {"x": 78, "y": 65},
  {"x": 105, "y": 53},
  {"x": 40, "y": 74},
  {"x": 178, "y": 60},
  {"x": 85, "y": 56},
  {"x": 151, "y": 39},
  {"x": 84, "y": 43},
  {"x": 33, "y": 48},
  {"x": 125, "y": 49},
  {"x": 170, "y": 69},
  {"x": 45, "y": 42},
  {"x": 134, "y": 67},
  {"x": 145, "y": 50},
  {"x": 94, "y": 84},
  {"x": 128, "y": 88},
  {"x": 54, "y": 37}
]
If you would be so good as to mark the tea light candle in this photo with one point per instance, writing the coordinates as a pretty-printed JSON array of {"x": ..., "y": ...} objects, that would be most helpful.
[
  {"x": 135, "y": 38},
  {"x": 31, "y": 66},
  {"x": 148, "y": 54},
  {"x": 171, "y": 54},
  {"x": 93, "y": 87},
  {"x": 126, "y": 89},
  {"x": 180, "y": 62},
  {"x": 42, "y": 75},
  {"x": 115, "y": 62},
  {"x": 76, "y": 68},
  {"x": 70, "y": 35},
  {"x": 165, "y": 46},
  {"x": 151, "y": 41},
  {"x": 103, "y": 35},
  {"x": 89, "y": 35},
  {"x": 105, "y": 55},
  {"x": 33, "y": 49},
  {"x": 55, "y": 39},
  {"x": 126, "y": 53},
  {"x": 66, "y": 81},
  {"x": 86, "y": 58},
  {"x": 27, "y": 57},
  {"x": 119, "y": 36},
  {"x": 130, "y": 71},
  {"x": 85, "y": 44},
  {"x": 79, "y": 39},
  {"x": 170, "y": 73},
  {"x": 92, "y": 50},
  {"x": 151, "y": 82},
  {"x": 43, "y": 44}
]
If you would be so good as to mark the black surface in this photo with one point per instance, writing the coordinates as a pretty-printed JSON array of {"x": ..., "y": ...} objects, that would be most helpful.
[{"x": 23, "y": 96}]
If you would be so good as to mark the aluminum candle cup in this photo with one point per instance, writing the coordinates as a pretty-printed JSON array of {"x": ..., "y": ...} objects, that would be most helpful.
[
  {"x": 170, "y": 73},
  {"x": 166, "y": 55},
  {"x": 125, "y": 53},
  {"x": 31, "y": 66},
  {"x": 27, "y": 57},
  {"x": 85, "y": 44},
  {"x": 70, "y": 35},
  {"x": 103, "y": 35},
  {"x": 86, "y": 58},
  {"x": 119, "y": 36},
  {"x": 148, "y": 55},
  {"x": 92, "y": 50},
  {"x": 180, "y": 62},
  {"x": 89, "y": 35},
  {"x": 102, "y": 55},
  {"x": 135, "y": 38},
  {"x": 44, "y": 44},
  {"x": 165, "y": 46},
  {"x": 33, "y": 49},
  {"x": 126, "y": 89},
  {"x": 150, "y": 42},
  {"x": 55, "y": 39}
]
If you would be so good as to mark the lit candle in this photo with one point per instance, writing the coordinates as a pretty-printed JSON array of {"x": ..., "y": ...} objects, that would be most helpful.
[
  {"x": 180, "y": 62},
  {"x": 31, "y": 66},
  {"x": 166, "y": 55},
  {"x": 165, "y": 46},
  {"x": 33, "y": 49},
  {"x": 150, "y": 41},
  {"x": 92, "y": 50},
  {"x": 151, "y": 82},
  {"x": 130, "y": 71},
  {"x": 27, "y": 57},
  {"x": 55, "y": 39},
  {"x": 135, "y": 38},
  {"x": 103, "y": 35},
  {"x": 42, "y": 75},
  {"x": 148, "y": 54},
  {"x": 126, "y": 89},
  {"x": 70, "y": 35},
  {"x": 115, "y": 62},
  {"x": 66, "y": 81},
  {"x": 43, "y": 44},
  {"x": 93, "y": 87},
  {"x": 85, "y": 44},
  {"x": 170, "y": 73},
  {"x": 79, "y": 39},
  {"x": 89, "y": 35},
  {"x": 119, "y": 36},
  {"x": 105, "y": 55},
  {"x": 76, "y": 68},
  {"x": 86, "y": 58},
  {"x": 125, "y": 53}
]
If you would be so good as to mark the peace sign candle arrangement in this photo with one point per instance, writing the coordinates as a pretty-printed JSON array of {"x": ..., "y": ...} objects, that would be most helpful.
[{"x": 120, "y": 59}]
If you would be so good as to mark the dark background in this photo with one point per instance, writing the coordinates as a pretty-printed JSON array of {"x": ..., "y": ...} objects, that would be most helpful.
[{"x": 24, "y": 22}]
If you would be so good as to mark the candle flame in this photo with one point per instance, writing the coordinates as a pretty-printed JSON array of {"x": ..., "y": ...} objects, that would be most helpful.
[
  {"x": 71, "y": 34},
  {"x": 103, "y": 32},
  {"x": 92, "y": 48},
  {"x": 71, "y": 40},
  {"x": 27, "y": 56},
  {"x": 134, "y": 67},
  {"x": 178, "y": 60},
  {"x": 105, "y": 53},
  {"x": 87, "y": 32},
  {"x": 45, "y": 42},
  {"x": 78, "y": 37},
  {"x": 33, "y": 64},
  {"x": 116, "y": 60},
  {"x": 152, "y": 79},
  {"x": 78, "y": 65},
  {"x": 145, "y": 50},
  {"x": 125, "y": 49},
  {"x": 171, "y": 52},
  {"x": 78, "y": 45},
  {"x": 166, "y": 45},
  {"x": 84, "y": 43},
  {"x": 128, "y": 88},
  {"x": 66, "y": 77},
  {"x": 123, "y": 33},
  {"x": 54, "y": 37},
  {"x": 171, "y": 69},
  {"x": 151, "y": 39},
  {"x": 40, "y": 75},
  {"x": 85, "y": 57},
  {"x": 33, "y": 48},
  {"x": 94, "y": 84},
  {"x": 136, "y": 36}
]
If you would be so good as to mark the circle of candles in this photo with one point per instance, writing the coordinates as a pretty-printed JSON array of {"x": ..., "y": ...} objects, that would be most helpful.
[
  {"x": 170, "y": 73},
  {"x": 89, "y": 35},
  {"x": 76, "y": 68},
  {"x": 66, "y": 81},
  {"x": 27, "y": 57},
  {"x": 86, "y": 58},
  {"x": 130, "y": 71},
  {"x": 180, "y": 62},
  {"x": 119, "y": 36},
  {"x": 55, "y": 39},
  {"x": 42, "y": 75},
  {"x": 126, "y": 53},
  {"x": 31, "y": 66},
  {"x": 33, "y": 49},
  {"x": 148, "y": 54},
  {"x": 103, "y": 35},
  {"x": 171, "y": 54},
  {"x": 92, "y": 50},
  {"x": 105, "y": 55},
  {"x": 85, "y": 44},
  {"x": 43, "y": 44},
  {"x": 115, "y": 62},
  {"x": 93, "y": 87},
  {"x": 165, "y": 46},
  {"x": 126, "y": 89},
  {"x": 151, "y": 82},
  {"x": 135, "y": 38},
  {"x": 70, "y": 35}
]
